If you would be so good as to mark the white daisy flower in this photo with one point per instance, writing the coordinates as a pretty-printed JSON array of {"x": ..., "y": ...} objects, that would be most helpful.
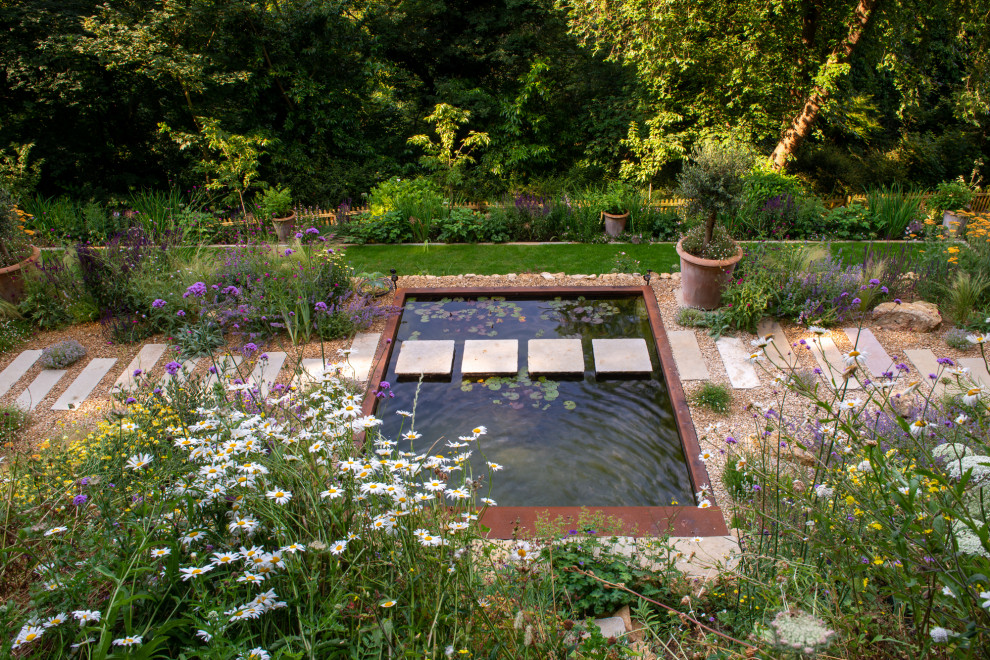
[
  {"x": 56, "y": 530},
  {"x": 972, "y": 396},
  {"x": 818, "y": 330},
  {"x": 917, "y": 427},
  {"x": 86, "y": 616},
  {"x": 854, "y": 357},
  {"x": 128, "y": 641},
  {"x": 160, "y": 552},
  {"x": 762, "y": 342},
  {"x": 978, "y": 338},
  {"x": 138, "y": 461},
  {"x": 27, "y": 635},
  {"x": 280, "y": 496},
  {"x": 190, "y": 572},
  {"x": 338, "y": 547},
  {"x": 411, "y": 435},
  {"x": 404, "y": 413},
  {"x": 56, "y": 620},
  {"x": 331, "y": 493}
]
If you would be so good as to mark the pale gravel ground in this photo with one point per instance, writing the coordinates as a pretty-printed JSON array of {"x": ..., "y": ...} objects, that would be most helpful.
[{"x": 711, "y": 428}]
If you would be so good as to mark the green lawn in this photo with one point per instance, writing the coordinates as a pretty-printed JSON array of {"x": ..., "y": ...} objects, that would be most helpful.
[{"x": 501, "y": 259}]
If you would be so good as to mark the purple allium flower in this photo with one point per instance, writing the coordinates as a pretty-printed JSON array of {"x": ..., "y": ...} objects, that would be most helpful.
[
  {"x": 198, "y": 290},
  {"x": 158, "y": 303},
  {"x": 79, "y": 500},
  {"x": 181, "y": 312},
  {"x": 173, "y": 368}
]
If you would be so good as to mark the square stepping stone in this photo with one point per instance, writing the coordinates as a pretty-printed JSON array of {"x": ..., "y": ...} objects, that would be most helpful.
[
  {"x": 16, "y": 370},
  {"x": 876, "y": 358},
  {"x": 39, "y": 389},
  {"x": 432, "y": 357},
  {"x": 555, "y": 356},
  {"x": 735, "y": 356},
  {"x": 145, "y": 360},
  {"x": 362, "y": 355},
  {"x": 687, "y": 354},
  {"x": 490, "y": 357},
  {"x": 84, "y": 383},
  {"x": 927, "y": 363},
  {"x": 621, "y": 356},
  {"x": 780, "y": 353}
]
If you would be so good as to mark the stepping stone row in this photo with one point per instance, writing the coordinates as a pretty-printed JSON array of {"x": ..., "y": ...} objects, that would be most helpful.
[{"x": 497, "y": 357}]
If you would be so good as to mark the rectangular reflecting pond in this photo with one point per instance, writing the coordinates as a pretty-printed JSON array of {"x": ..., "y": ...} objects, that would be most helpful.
[{"x": 579, "y": 439}]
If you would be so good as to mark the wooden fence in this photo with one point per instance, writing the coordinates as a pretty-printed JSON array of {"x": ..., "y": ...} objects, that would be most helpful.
[{"x": 314, "y": 214}]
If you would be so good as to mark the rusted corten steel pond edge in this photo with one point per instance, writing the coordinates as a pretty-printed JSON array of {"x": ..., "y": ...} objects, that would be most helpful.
[{"x": 519, "y": 522}]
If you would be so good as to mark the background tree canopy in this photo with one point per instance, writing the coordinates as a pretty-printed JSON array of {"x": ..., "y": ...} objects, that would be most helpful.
[{"x": 568, "y": 92}]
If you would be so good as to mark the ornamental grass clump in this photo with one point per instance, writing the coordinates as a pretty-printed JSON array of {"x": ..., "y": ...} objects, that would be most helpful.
[{"x": 62, "y": 354}]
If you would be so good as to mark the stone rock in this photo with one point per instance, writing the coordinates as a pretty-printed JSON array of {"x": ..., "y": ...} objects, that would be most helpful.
[
  {"x": 922, "y": 316},
  {"x": 664, "y": 276},
  {"x": 612, "y": 626},
  {"x": 579, "y": 277},
  {"x": 511, "y": 276},
  {"x": 469, "y": 275},
  {"x": 546, "y": 276},
  {"x": 904, "y": 405}
]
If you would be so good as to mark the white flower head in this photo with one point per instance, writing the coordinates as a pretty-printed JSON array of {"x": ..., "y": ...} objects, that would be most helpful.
[{"x": 138, "y": 461}]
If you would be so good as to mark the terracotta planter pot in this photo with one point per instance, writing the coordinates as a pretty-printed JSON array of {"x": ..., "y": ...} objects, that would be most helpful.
[
  {"x": 702, "y": 280},
  {"x": 12, "y": 278},
  {"x": 956, "y": 224},
  {"x": 615, "y": 224},
  {"x": 284, "y": 227}
]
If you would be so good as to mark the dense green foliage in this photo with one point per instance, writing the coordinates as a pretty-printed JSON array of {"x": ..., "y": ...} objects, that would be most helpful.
[{"x": 98, "y": 99}]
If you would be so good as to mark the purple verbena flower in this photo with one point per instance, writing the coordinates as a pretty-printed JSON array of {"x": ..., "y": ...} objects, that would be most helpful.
[
  {"x": 158, "y": 303},
  {"x": 172, "y": 368},
  {"x": 198, "y": 290},
  {"x": 79, "y": 500}
]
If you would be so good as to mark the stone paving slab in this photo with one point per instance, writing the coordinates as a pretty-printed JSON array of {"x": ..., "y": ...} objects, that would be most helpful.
[
  {"x": 431, "y": 357},
  {"x": 39, "y": 388},
  {"x": 977, "y": 369},
  {"x": 876, "y": 358},
  {"x": 926, "y": 363},
  {"x": 226, "y": 367},
  {"x": 490, "y": 357},
  {"x": 687, "y": 355},
  {"x": 735, "y": 357},
  {"x": 84, "y": 383},
  {"x": 830, "y": 360},
  {"x": 188, "y": 368},
  {"x": 145, "y": 360},
  {"x": 312, "y": 371},
  {"x": 16, "y": 370},
  {"x": 780, "y": 354},
  {"x": 554, "y": 356},
  {"x": 621, "y": 356},
  {"x": 362, "y": 356},
  {"x": 265, "y": 372}
]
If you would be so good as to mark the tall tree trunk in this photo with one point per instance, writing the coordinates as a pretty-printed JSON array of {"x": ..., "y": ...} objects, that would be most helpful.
[{"x": 803, "y": 122}]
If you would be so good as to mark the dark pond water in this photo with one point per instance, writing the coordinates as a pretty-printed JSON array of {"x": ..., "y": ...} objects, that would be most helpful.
[{"x": 580, "y": 441}]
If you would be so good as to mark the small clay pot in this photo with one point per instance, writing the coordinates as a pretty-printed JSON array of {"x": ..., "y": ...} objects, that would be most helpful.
[
  {"x": 702, "y": 280},
  {"x": 615, "y": 224},
  {"x": 284, "y": 227},
  {"x": 12, "y": 278}
]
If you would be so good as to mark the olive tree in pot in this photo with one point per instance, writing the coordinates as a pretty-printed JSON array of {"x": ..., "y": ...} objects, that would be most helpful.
[
  {"x": 16, "y": 251},
  {"x": 276, "y": 203},
  {"x": 712, "y": 181}
]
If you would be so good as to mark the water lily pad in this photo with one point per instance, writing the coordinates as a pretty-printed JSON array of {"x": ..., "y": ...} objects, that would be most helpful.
[{"x": 569, "y": 405}]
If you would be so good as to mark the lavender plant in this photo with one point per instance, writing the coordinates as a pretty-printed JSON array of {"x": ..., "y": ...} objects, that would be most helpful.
[{"x": 63, "y": 354}]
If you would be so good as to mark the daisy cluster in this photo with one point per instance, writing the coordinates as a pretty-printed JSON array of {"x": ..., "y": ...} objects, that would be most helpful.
[{"x": 248, "y": 496}]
